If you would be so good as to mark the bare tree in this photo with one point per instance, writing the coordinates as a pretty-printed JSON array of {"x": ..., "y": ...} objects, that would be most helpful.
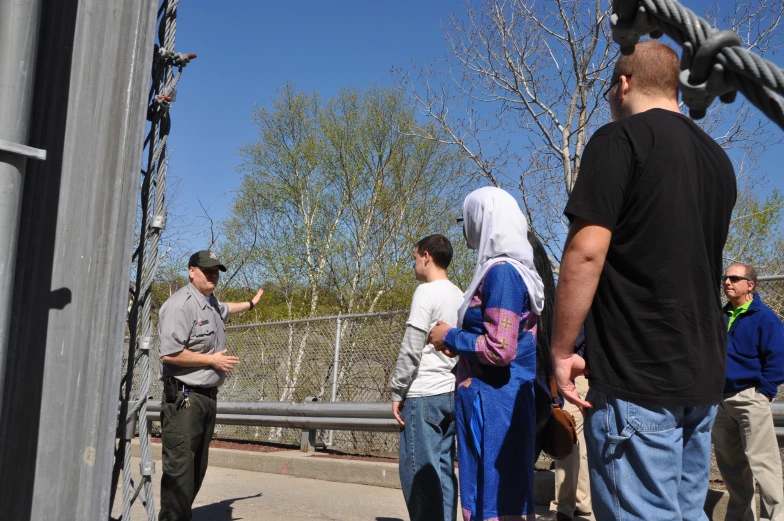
[
  {"x": 755, "y": 230},
  {"x": 519, "y": 93}
]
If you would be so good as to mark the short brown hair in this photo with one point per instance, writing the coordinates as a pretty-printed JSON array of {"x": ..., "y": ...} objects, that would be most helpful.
[
  {"x": 439, "y": 248},
  {"x": 751, "y": 273},
  {"x": 653, "y": 67}
]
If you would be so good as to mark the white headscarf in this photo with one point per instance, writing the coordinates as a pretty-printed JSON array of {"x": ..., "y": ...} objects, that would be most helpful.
[{"x": 495, "y": 226}]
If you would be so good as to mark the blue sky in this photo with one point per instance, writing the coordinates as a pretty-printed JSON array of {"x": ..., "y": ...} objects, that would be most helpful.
[{"x": 246, "y": 49}]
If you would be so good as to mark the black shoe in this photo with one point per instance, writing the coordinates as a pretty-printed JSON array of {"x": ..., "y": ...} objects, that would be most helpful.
[{"x": 552, "y": 515}]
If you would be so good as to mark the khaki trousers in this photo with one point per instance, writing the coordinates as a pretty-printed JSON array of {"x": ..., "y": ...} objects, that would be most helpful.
[
  {"x": 744, "y": 440},
  {"x": 572, "y": 485}
]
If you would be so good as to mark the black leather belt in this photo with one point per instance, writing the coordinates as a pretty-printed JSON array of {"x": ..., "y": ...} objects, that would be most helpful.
[{"x": 209, "y": 392}]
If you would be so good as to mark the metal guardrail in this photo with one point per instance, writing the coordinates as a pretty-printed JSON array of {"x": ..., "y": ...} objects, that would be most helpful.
[
  {"x": 777, "y": 409},
  {"x": 309, "y": 416},
  {"x": 348, "y": 416}
]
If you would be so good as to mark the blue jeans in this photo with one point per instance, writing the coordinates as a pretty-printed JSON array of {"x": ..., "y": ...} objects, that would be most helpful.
[
  {"x": 648, "y": 462},
  {"x": 427, "y": 458}
]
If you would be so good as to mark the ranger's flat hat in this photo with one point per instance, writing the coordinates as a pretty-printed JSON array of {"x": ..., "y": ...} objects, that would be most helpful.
[{"x": 205, "y": 259}]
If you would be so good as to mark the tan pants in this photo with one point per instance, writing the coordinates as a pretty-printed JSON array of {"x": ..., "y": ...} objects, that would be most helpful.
[
  {"x": 572, "y": 485},
  {"x": 744, "y": 440}
]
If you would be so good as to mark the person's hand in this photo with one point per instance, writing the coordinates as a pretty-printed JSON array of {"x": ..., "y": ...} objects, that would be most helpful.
[
  {"x": 449, "y": 353},
  {"x": 397, "y": 409},
  {"x": 223, "y": 362},
  {"x": 566, "y": 370},
  {"x": 436, "y": 337},
  {"x": 257, "y": 297}
]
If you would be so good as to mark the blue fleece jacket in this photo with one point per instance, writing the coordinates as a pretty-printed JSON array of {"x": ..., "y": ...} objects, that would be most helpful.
[{"x": 755, "y": 350}]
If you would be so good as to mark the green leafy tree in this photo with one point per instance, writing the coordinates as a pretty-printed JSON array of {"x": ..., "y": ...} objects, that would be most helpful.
[
  {"x": 335, "y": 193},
  {"x": 755, "y": 232}
]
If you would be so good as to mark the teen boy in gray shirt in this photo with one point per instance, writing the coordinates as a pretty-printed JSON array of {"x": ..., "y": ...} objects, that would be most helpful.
[{"x": 423, "y": 390}]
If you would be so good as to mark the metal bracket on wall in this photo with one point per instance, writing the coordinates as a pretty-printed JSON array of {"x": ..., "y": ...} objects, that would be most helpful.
[{"x": 22, "y": 150}]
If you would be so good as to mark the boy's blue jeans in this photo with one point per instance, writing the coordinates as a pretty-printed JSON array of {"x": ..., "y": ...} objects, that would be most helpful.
[
  {"x": 427, "y": 456},
  {"x": 648, "y": 462}
]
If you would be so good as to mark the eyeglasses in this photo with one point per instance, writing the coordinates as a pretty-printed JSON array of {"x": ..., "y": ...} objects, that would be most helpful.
[
  {"x": 733, "y": 278},
  {"x": 459, "y": 220},
  {"x": 613, "y": 85}
]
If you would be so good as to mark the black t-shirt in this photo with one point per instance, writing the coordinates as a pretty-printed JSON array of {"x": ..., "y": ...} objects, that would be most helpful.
[{"x": 655, "y": 332}]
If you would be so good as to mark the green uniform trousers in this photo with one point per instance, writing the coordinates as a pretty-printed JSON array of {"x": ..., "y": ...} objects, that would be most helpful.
[{"x": 186, "y": 433}]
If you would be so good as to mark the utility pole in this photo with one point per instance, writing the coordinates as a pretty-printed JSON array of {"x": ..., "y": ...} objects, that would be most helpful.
[{"x": 60, "y": 366}]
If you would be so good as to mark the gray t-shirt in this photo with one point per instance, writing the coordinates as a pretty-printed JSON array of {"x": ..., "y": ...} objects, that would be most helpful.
[
  {"x": 421, "y": 370},
  {"x": 189, "y": 320}
]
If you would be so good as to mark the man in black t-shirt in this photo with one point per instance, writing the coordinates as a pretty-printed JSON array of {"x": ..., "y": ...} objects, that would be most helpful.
[{"x": 649, "y": 217}]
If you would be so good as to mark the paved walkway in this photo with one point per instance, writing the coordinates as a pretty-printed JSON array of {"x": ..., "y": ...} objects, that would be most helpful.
[
  {"x": 230, "y": 495},
  {"x": 253, "y": 486},
  {"x": 233, "y": 495}
]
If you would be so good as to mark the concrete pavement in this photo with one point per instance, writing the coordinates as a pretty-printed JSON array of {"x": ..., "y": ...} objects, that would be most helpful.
[
  {"x": 257, "y": 486},
  {"x": 234, "y": 495},
  {"x": 315, "y": 466}
]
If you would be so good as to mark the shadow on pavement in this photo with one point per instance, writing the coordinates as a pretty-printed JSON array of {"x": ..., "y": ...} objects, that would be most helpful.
[
  {"x": 221, "y": 511},
  {"x": 388, "y": 519},
  {"x": 711, "y": 502}
]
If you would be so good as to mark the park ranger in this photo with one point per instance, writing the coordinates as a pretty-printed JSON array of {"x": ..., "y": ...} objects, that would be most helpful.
[{"x": 194, "y": 364}]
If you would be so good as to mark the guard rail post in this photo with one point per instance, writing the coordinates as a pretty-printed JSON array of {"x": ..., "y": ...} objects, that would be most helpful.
[{"x": 308, "y": 441}]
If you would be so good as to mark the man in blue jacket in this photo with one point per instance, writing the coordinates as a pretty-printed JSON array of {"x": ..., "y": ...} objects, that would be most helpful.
[{"x": 743, "y": 436}]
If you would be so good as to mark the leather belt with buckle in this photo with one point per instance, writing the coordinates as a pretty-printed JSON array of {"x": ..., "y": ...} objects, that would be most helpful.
[{"x": 209, "y": 392}]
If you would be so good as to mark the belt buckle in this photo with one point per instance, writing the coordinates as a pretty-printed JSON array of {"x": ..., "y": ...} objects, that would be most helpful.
[{"x": 213, "y": 392}]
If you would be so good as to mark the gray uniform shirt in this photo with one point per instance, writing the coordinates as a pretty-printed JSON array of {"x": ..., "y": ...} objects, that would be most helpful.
[{"x": 189, "y": 320}]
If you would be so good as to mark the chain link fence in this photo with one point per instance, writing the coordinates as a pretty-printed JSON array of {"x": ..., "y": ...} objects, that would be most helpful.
[
  {"x": 337, "y": 358},
  {"x": 771, "y": 289}
]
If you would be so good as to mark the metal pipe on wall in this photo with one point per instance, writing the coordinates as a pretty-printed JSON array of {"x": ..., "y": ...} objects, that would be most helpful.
[{"x": 19, "y": 22}]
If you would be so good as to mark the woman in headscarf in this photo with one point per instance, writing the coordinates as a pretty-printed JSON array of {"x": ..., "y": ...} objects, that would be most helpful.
[{"x": 495, "y": 338}]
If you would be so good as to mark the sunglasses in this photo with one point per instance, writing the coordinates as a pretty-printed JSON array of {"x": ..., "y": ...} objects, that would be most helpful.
[
  {"x": 607, "y": 92},
  {"x": 459, "y": 220},
  {"x": 733, "y": 278}
]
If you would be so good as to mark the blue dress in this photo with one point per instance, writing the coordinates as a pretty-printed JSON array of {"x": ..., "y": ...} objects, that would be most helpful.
[{"x": 494, "y": 403}]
